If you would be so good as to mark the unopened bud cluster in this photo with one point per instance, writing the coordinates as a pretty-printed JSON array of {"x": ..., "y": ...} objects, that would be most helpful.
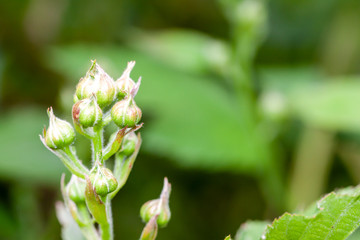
[
  {"x": 98, "y": 90},
  {"x": 98, "y": 100}
]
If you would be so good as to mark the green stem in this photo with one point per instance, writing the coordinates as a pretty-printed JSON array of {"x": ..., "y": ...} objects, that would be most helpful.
[
  {"x": 97, "y": 145},
  {"x": 70, "y": 165},
  {"x": 106, "y": 228},
  {"x": 82, "y": 131},
  {"x": 88, "y": 229},
  {"x": 69, "y": 152},
  {"x": 66, "y": 161},
  {"x": 105, "y": 231}
]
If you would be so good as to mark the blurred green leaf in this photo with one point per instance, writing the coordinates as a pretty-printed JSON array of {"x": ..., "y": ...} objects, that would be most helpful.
[
  {"x": 70, "y": 230},
  {"x": 187, "y": 117},
  {"x": 330, "y": 104},
  {"x": 251, "y": 230},
  {"x": 355, "y": 235},
  {"x": 23, "y": 157},
  {"x": 333, "y": 105},
  {"x": 287, "y": 79},
  {"x": 183, "y": 49}
]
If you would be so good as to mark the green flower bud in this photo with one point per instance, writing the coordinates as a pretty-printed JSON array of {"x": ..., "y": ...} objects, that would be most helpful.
[
  {"x": 149, "y": 209},
  {"x": 126, "y": 113},
  {"x": 103, "y": 180},
  {"x": 158, "y": 207},
  {"x": 76, "y": 189},
  {"x": 98, "y": 82},
  {"x": 129, "y": 144},
  {"x": 125, "y": 84},
  {"x": 87, "y": 112},
  {"x": 60, "y": 133}
]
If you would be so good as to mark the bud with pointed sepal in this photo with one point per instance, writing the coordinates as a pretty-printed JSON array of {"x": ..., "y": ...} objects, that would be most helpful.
[
  {"x": 126, "y": 113},
  {"x": 150, "y": 230},
  {"x": 76, "y": 189},
  {"x": 129, "y": 144},
  {"x": 87, "y": 112},
  {"x": 125, "y": 84},
  {"x": 103, "y": 180},
  {"x": 159, "y": 207},
  {"x": 98, "y": 82},
  {"x": 60, "y": 133}
]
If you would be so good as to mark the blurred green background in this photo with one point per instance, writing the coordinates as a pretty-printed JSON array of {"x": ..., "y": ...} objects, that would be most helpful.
[{"x": 250, "y": 107}]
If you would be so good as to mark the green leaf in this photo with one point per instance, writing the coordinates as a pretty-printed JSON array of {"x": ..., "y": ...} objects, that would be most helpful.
[
  {"x": 188, "y": 117},
  {"x": 183, "y": 49},
  {"x": 355, "y": 235},
  {"x": 325, "y": 103},
  {"x": 251, "y": 230},
  {"x": 337, "y": 216},
  {"x": 332, "y": 105}
]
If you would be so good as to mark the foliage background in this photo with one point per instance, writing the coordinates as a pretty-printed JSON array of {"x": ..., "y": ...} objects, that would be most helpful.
[{"x": 235, "y": 145}]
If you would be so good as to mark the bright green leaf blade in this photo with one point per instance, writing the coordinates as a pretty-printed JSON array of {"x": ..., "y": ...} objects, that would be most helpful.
[
  {"x": 287, "y": 227},
  {"x": 337, "y": 217},
  {"x": 251, "y": 230}
]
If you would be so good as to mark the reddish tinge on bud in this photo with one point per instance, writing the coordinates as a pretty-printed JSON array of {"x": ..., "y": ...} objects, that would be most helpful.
[
  {"x": 126, "y": 113},
  {"x": 125, "y": 84},
  {"x": 98, "y": 82},
  {"x": 87, "y": 112}
]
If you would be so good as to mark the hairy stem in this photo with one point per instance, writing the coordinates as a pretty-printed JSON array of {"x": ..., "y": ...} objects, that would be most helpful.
[
  {"x": 106, "y": 228},
  {"x": 70, "y": 153},
  {"x": 97, "y": 146},
  {"x": 88, "y": 229}
]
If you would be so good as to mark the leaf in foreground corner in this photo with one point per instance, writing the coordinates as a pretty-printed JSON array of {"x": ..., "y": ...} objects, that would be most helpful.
[
  {"x": 251, "y": 230},
  {"x": 337, "y": 216},
  {"x": 228, "y": 238}
]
